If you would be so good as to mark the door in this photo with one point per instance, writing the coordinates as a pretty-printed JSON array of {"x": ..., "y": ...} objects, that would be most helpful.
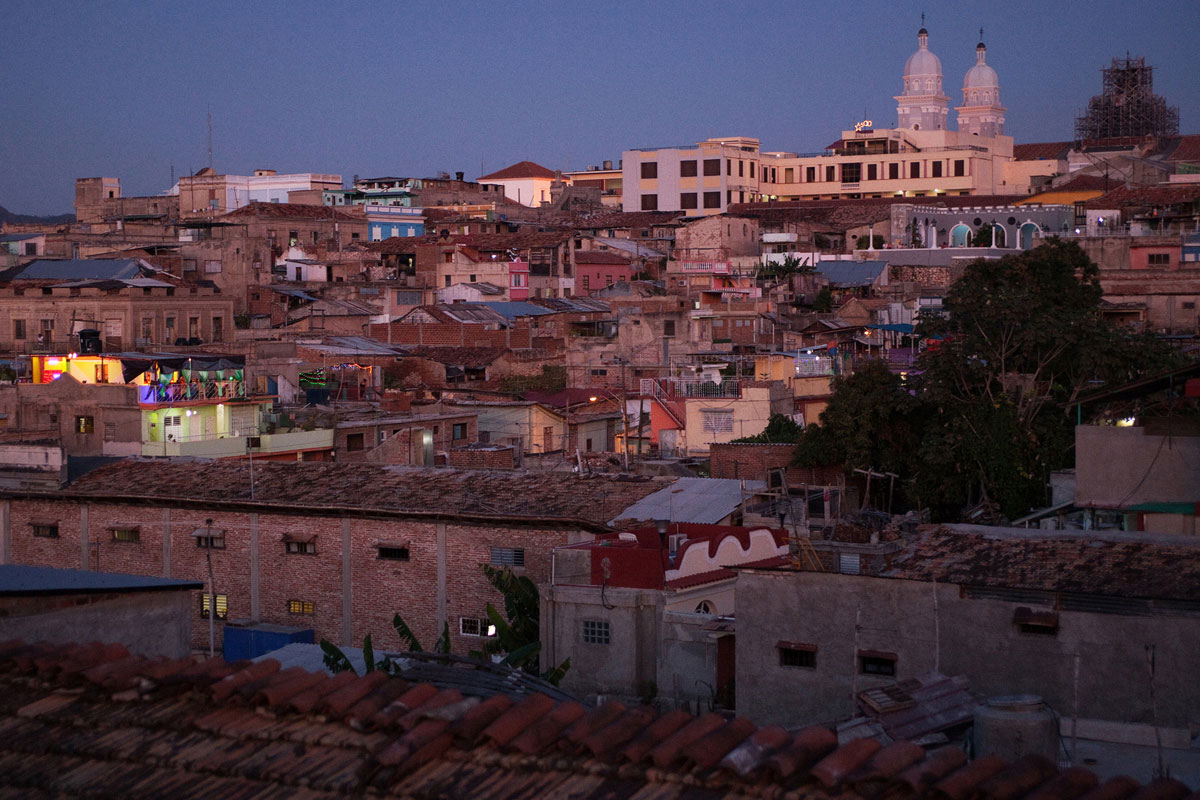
[{"x": 726, "y": 671}]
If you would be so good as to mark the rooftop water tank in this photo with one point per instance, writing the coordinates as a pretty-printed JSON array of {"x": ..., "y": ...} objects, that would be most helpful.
[{"x": 1016, "y": 725}]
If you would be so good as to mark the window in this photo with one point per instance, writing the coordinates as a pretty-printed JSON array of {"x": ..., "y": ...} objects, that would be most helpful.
[
  {"x": 508, "y": 556},
  {"x": 85, "y": 425},
  {"x": 851, "y": 173},
  {"x": 599, "y": 372},
  {"x": 211, "y": 267},
  {"x": 797, "y": 654},
  {"x": 169, "y": 322},
  {"x": 893, "y": 172},
  {"x": 222, "y": 605},
  {"x": 393, "y": 552},
  {"x": 875, "y": 663},
  {"x": 476, "y": 626},
  {"x": 587, "y": 283},
  {"x": 717, "y": 421},
  {"x": 18, "y": 328},
  {"x": 595, "y": 632},
  {"x": 128, "y": 533},
  {"x": 712, "y": 166},
  {"x": 872, "y": 172},
  {"x": 688, "y": 200},
  {"x": 914, "y": 169},
  {"x": 218, "y": 329},
  {"x": 458, "y": 431},
  {"x": 298, "y": 547},
  {"x": 306, "y": 607},
  {"x": 354, "y": 441},
  {"x": 741, "y": 169},
  {"x": 668, "y": 328},
  {"x": 1158, "y": 260},
  {"x": 316, "y": 237},
  {"x": 210, "y": 538},
  {"x": 687, "y": 169},
  {"x": 810, "y": 174},
  {"x": 649, "y": 202},
  {"x": 649, "y": 169},
  {"x": 110, "y": 431},
  {"x": 293, "y": 238},
  {"x": 960, "y": 168},
  {"x": 189, "y": 265},
  {"x": 937, "y": 169},
  {"x": 45, "y": 530},
  {"x": 751, "y": 169},
  {"x": 712, "y": 199}
]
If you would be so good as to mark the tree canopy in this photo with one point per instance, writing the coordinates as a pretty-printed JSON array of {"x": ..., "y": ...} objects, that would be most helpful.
[{"x": 987, "y": 415}]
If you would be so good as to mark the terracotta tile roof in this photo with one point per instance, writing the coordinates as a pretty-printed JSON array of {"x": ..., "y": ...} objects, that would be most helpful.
[
  {"x": 315, "y": 485},
  {"x": 1133, "y": 196},
  {"x": 600, "y": 257},
  {"x": 92, "y": 720},
  {"x": 293, "y": 211},
  {"x": 1116, "y": 565},
  {"x": 1035, "y": 151},
  {"x": 522, "y": 169},
  {"x": 1186, "y": 148}
]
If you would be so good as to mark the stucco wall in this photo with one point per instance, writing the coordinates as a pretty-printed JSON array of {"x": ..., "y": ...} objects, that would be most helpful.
[
  {"x": 978, "y": 639},
  {"x": 148, "y": 623},
  {"x": 1125, "y": 466}
]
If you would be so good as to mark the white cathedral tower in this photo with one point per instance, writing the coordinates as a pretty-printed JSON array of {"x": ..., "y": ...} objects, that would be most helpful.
[
  {"x": 981, "y": 112},
  {"x": 922, "y": 106}
]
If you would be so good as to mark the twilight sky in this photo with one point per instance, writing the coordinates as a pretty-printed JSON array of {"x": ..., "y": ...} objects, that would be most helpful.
[{"x": 122, "y": 89}]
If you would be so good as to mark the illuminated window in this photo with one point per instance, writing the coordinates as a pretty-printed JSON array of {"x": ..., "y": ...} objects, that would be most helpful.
[
  {"x": 85, "y": 425},
  {"x": 299, "y": 607},
  {"x": 129, "y": 533},
  {"x": 476, "y": 626},
  {"x": 222, "y": 605}
]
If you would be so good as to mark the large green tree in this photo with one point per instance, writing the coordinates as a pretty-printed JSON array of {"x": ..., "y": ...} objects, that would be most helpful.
[{"x": 1022, "y": 338}]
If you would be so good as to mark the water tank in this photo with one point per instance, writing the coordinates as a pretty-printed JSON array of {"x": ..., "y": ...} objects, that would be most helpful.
[{"x": 1015, "y": 726}]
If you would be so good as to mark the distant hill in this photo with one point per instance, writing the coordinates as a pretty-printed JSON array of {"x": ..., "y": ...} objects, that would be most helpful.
[{"x": 8, "y": 216}]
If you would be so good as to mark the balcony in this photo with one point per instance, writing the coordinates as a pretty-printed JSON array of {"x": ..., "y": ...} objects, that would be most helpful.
[
  {"x": 685, "y": 388},
  {"x": 198, "y": 392},
  {"x": 203, "y": 446}
]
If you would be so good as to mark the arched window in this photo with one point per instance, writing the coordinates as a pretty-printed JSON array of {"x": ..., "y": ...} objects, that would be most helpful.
[
  {"x": 1029, "y": 233},
  {"x": 704, "y": 607},
  {"x": 959, "y": 235}
]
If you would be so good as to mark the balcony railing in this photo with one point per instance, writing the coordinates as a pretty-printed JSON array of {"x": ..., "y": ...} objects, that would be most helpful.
[
  {"x": 195, "y": 391},
  {"x": 690, "y": 388}
]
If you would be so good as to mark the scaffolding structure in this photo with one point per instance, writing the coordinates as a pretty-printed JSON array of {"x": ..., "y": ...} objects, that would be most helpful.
[{"x": 1128, "y": 105}]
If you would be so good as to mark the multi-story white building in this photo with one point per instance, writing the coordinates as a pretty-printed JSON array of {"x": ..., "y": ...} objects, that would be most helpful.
[{"x": 700, "y": 180}]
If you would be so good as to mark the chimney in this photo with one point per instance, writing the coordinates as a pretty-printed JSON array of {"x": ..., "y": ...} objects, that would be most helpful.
[
  {"x": 458, "y": 176},
  {"x": 608, "y": 165}
]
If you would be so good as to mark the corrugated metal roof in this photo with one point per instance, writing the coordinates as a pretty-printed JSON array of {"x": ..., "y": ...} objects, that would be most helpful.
[
  {"x": 78, "y": 269},
  {"x": 18, "y": 579},
  {"x": 703, "y": 500},
  {"x": 851, "y": 273},
  {"x": 513, "y": 309}
]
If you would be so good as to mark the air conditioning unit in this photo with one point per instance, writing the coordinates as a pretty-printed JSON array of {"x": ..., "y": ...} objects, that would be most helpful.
[{"x": 253, "y": 442}]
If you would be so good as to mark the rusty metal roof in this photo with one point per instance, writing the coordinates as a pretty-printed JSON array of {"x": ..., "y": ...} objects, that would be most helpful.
[{"x": 93, "y": 720}]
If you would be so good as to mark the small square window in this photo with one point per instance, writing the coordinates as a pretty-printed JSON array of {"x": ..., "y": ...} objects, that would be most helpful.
[
  {"x": 508, "y": 556},
  {"x": 299, "y": 548},
  {"x": 877, "y": 664},
  {"x": 394, "y": 552},
  {"x": 209, "y": 538},
  {"x": 459, "y": 431},
  {"x": 222, "y": 605},
  {"x": 301, "y": 607},
  {"x": 595, "y": 632},
  {"x": 797, "y": 654},
  {"x": 85, "y": 425},
  {"x": 46, "y": 530},
  {"x": 476, "y": 626},
  {"x": 126, "y": 534}
]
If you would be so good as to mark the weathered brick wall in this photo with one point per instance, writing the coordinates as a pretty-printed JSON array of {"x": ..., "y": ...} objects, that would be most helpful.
[
  {"x": 923, "y": 276},
  {"x": 752, "y": 461},
  {"x": 491, "y": 458},
  {"x": 453, "y": 334},
  {"x": 380, "y": 588}
]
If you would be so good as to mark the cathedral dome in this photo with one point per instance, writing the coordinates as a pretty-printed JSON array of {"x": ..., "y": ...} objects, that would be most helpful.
[
  {"x": 922, "y": 64},
  {"x": 981, "y": 76}
]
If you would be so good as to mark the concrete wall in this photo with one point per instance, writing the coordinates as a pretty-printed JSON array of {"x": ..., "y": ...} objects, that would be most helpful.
[
  {"x": 148, "y": 623},
  {"x": 1125, "y": 466},
  {"x": 977, "y": 638}
]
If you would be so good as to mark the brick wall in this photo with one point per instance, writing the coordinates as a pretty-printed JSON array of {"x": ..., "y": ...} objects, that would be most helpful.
[
  {"x": 453, "y": 334},
  {"x": 922, "y": 276},
  {"x": 379, "y": 588},
  {"x": 483, "y": 458},
  {"x": 752, "y": 461}
]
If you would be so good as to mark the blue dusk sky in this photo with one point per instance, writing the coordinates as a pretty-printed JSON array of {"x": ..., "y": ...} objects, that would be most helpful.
[{"x": 123, "y": 89}]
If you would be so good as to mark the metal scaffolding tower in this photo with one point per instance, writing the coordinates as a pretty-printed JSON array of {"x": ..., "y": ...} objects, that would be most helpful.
[{"x": 1128, "y": 105}]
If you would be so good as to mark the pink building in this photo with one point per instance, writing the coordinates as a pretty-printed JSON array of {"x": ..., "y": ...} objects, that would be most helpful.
[
  {"x": 518, "y": 279},
  {"x": 596, "y": 269}
]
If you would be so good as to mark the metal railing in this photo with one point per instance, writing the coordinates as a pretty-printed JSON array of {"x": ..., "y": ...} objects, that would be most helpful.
[
  {"x": 690, "y": 388},
  {"x": 193, "y": 391}
]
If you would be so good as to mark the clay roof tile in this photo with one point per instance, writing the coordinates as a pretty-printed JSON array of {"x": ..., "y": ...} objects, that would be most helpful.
[
  {"x": 592, "y": 721},
  {"x": 809, "y": 746},
  {"x": 442, "y": 699},
  {"x": 605, "y": 741},
  {"x": 475, "y": 721},
  {"x": 1070, "y": 784},
  {"x": 676, "y": 746},
  {"x": 548, "y": 728},
  {"x": 339, "y": 702},
  {"x": 307, "y": 701},
  {"x": 652, "y": 735},
  {"x": 227, "y": 685},
  {"x": 1020, "y": 778},
  {"x": 843, "y": 762},
  {"x": 392, "y": 713},
  {"x": 752, "y": 753},
  {"x": 963, "y": 782},
  {"x": 707, "y": 751},
  {"x": 923, "y": 774},
  {"x": 1117, "y": 788},
  {"x": 512, "y": 722}
]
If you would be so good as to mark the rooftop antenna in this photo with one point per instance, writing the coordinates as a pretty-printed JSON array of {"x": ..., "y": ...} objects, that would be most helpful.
[
  {"x": 981, "y": 35},
  {"x": 210, "y": 161},
  {"x": 922, "y": 19}
]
